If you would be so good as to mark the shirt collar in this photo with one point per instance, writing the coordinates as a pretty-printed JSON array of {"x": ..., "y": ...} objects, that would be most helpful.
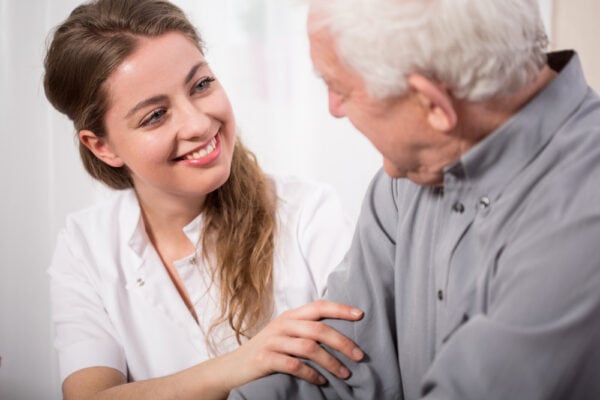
[
  {"x": 131, "y": 221},
  {"x": 497, "y": 159},
  {"x": 134, "y": 228},
  {"x": 193, "y": 229}
]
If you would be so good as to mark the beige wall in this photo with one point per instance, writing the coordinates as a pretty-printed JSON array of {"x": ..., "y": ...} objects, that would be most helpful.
[{"x": 576, "y": 26}]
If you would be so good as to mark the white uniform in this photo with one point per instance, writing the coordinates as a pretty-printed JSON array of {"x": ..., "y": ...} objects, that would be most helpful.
[{"x": 114, "y": 304}]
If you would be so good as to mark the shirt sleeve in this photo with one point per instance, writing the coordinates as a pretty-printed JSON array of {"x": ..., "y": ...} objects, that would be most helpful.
[
  {"x": 365, "y": 280},
  {"x": 540, "y": 336},
  {"x": 84, "y": 335}
]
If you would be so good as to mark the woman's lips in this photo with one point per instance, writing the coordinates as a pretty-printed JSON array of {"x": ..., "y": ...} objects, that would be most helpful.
[{"x": 204, "y": 155}]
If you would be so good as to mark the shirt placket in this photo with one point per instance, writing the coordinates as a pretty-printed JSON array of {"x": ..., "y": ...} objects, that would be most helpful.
[{"x": 457, "y": 214}]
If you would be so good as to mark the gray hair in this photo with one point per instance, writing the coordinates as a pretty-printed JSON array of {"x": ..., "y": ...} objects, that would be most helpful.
[{"x": 481, "y": 49}]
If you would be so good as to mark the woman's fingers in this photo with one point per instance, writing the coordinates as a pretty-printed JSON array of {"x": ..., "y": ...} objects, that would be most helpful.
[
  {"x": 322, "y": 333},
  {"x": 291, "y": 365},
  {"x": 324, "y": 309},
  {"x": 309, "y": 349},
  {"x": 298, "y": 334}
]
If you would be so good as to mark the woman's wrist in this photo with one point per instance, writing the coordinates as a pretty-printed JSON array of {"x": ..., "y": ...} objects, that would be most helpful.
[{"x": 230, "y": 370}]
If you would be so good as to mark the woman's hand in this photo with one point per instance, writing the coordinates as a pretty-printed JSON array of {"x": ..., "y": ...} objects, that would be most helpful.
[{"x": 296, "y": 334}]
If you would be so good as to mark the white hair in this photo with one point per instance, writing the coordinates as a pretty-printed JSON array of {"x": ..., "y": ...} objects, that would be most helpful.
[{"x": 481, "y": 49}]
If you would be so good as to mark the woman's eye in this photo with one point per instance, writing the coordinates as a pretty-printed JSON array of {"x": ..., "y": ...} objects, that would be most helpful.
[
  {"x": 153, "y": 118},
  {"x": 204, "y": 84}
]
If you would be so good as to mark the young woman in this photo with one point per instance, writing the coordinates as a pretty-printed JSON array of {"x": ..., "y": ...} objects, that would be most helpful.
[{"x": 166, "y": 289}]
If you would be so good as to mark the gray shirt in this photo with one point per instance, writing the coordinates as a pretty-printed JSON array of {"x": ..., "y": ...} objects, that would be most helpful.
[{"x": 489, "y": 288}]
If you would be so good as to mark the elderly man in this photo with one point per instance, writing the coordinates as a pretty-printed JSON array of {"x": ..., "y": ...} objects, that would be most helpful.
[{"x": 476, "y": 257}]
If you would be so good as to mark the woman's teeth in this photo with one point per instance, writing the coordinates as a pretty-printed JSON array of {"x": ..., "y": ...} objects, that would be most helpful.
[{"x": 204, "y": 151}]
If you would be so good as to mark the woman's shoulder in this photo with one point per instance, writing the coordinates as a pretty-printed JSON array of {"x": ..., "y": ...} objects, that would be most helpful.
[
  {"x": 300, "y": 201},
  {"x": 314, "y": 234},
  {"x": 91, "y": 238},
  {"x": 293, "y": 189},
  {"x": 116, "y": 209}
]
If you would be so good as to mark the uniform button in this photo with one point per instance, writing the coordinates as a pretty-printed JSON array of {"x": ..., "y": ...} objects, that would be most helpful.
[
  {"x": 140, "y": 282},
  {"x": 484, "y": 202},
  {"x": 440, "y": 295},
  {"x": 458, "y": 207}
]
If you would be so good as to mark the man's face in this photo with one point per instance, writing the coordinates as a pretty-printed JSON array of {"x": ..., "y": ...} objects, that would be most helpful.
[{"x": 395, "y": 125}]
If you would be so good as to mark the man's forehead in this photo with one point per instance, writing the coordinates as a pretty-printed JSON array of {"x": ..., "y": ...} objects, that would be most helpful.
[
  {"x": 322, "y": 44},
  {"x": 324, "y": 58}
]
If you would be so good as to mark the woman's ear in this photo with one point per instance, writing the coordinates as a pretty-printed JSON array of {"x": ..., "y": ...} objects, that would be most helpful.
[
  {"x": 437, "y": 102},
  {"x": 100, "y": 148}
]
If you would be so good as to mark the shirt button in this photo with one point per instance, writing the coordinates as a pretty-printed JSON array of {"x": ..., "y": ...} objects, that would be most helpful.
[
  {"x": 484, "y": 202},
  {"x": 140, "y": 282},
  {"x": 440, "y": 295},
  {"x": 458, "y": 207}
]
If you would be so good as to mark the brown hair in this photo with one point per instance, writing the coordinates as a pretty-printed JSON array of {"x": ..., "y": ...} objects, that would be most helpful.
[{"x": 239, "y": 216}]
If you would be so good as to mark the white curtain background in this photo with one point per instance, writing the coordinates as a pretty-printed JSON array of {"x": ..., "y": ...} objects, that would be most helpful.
[{"x": 259, "y": 50}]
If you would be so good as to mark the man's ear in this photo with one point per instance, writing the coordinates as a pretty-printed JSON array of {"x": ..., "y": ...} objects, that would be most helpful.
[
  {"x": 437, "y": 102},
  {"x": 100, "y": 148}
]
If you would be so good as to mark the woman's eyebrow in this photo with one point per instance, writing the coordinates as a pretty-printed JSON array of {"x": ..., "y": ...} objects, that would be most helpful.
[
  {"x": 161, "y": 98},
  {"x": 145, "y": 103},
  {"x": 193, "y": 71}
]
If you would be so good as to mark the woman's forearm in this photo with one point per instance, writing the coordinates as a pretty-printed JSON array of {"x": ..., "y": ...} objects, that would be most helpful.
[{"x": 211, "y": 380}]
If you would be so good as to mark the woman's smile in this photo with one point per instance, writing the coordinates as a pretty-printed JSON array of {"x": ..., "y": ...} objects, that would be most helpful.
[{"x": 202, "y": 155}]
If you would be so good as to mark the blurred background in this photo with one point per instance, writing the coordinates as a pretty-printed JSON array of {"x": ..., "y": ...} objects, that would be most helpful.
[{"x": 259, "y": 50}]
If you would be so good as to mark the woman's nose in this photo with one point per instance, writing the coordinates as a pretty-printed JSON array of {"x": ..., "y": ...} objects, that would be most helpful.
[{"x": 194, "y": 122}]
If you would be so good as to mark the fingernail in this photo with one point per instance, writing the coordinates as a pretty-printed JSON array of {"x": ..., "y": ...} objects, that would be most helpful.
[
  {"x": 321, "y": 380},
  {"x": 357, "y": 354},
  {"x": 356, "y": 312},
  {"x": 344, "y": 373}
]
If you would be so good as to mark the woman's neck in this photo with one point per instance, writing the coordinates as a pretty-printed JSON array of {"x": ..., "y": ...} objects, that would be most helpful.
[
  {"x": 164, "y": 219},
  {"x": 166, "y": 211}
]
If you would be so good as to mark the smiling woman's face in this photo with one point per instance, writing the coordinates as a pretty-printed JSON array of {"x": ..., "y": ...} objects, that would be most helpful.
[{"x": 169, "y": 121}]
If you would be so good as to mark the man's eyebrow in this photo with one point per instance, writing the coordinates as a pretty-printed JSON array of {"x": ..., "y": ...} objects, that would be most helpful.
[
  {"x": 162, "y": 98},
  {"x": 329, "y": 80}
]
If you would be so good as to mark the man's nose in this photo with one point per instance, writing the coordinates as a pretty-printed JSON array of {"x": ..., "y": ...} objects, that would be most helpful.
[{"x": 336, "y": 106}]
